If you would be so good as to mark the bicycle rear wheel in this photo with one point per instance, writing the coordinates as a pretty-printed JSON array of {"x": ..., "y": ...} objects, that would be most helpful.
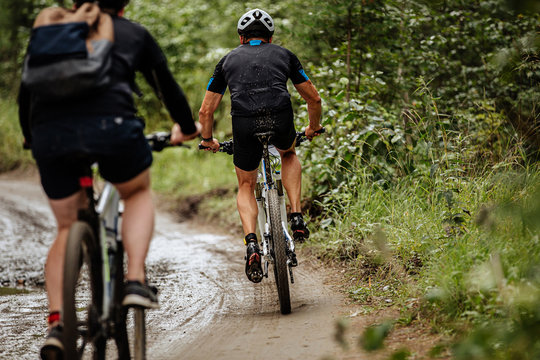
[
  {"x": 82, "y": 293},
  {"x": 130, "y": 333},
  {"x": 279, "y": 245}
]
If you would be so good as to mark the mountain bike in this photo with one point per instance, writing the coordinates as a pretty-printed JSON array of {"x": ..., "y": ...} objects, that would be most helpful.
[
  {"x": 93, "y": 286},
  {"x": 276, "y": 244}
]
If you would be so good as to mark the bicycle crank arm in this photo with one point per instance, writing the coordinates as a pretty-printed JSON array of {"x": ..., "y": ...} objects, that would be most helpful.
[{"x": 290, "y": 266}]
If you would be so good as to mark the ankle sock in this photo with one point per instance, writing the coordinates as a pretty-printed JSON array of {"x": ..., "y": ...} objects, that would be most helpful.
[
  {"x": 251, "y": 237},
  {"x": 54, "y": 316},
  {"x": 296, "y": 214}
]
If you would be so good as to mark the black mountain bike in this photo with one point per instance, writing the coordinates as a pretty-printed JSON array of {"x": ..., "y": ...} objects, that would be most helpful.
[
  {"x": 277, "y": 245},
  {"x": 93, "y": 286}
]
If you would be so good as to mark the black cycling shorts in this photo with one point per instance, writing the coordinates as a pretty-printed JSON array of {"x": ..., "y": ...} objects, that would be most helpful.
[
  {"x": 64, "y": 149},
  {"x": 248, "y": 149}
]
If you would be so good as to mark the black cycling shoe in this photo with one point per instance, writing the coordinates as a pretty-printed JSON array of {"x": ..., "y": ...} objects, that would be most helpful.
[
  {"x": 253, "y": 262},
  {"x": 299, "y": 228},
  {"x": 139, "y": 294},
  {"x": 53, "y": 349}
]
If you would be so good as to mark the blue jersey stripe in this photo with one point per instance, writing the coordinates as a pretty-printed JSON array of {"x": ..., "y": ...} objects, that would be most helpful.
[
  {"x": 303, "y": 73},
  {"x": 208, "y": 87},
  {"x": 255, "y": 42},
  {"x": 210, "y": 82}
]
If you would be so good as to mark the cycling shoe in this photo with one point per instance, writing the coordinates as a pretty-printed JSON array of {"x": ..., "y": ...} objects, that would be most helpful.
[
  {"x": 253, "y": 263},
  {"x": 299, "y": 228}
]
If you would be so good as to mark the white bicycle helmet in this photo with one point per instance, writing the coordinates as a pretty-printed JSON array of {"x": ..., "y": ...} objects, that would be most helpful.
[{"x": 256, "y": 20}]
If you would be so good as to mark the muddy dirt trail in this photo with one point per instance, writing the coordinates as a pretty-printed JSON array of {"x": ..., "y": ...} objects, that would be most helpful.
[{"x": 208, "y": 308}]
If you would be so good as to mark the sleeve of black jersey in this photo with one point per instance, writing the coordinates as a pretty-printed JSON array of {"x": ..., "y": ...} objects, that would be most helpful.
[
  {"x": 217, "y": 82},
  {"x": 297, "y": 73},
  {"x": 158, "y": 75}
]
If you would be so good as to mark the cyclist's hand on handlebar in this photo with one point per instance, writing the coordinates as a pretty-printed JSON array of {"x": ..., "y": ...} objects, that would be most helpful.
[
  {"x": 210, "y": 145},
  {"x": 312, "y": 132},
  {"x": 178, "y": 137}
]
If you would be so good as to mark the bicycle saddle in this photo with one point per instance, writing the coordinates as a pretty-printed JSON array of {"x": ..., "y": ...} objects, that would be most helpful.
[{"x": 264, "y": 137}]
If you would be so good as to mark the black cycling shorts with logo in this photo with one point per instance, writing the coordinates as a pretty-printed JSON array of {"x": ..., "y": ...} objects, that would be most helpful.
[
  {"x": 248, "y": 149},
  {"x": 63, "y": 150}
]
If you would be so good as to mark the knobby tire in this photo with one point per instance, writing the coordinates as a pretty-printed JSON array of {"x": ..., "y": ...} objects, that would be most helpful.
[
  {"x": 281, "y": 272},
  {"x": 139, "y": 336},
  {"x": 80, "y": 319},
  {"x": 120, "y": 313}
]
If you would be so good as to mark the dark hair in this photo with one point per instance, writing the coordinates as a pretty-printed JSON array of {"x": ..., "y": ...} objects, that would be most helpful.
[
  {"x": 256, "y": 30},
  {"x": 105, "y": 4},
  {"x": 256, "y": 34}
]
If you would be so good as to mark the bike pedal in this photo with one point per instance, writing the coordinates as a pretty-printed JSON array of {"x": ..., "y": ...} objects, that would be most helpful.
[{"x": 292, "y": 263}]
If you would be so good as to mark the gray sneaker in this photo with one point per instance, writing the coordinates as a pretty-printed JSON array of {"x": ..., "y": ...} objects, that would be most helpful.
[
  {"x": 139, "y": 294},
  {"x": 53, "y": 349}
]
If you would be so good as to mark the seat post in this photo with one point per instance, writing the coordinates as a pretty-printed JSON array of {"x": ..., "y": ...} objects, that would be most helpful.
[{"x": 264, "y": 138}]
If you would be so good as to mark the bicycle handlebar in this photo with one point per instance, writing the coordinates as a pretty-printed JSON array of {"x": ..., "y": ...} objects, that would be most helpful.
[
  {"x": 301, "y": 135},
  {"x": 227, "y": 146},
  {"x": 161, "y": 140}
]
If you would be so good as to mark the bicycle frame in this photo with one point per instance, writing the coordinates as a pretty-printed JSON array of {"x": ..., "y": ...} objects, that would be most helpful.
[
  {"x": 269, "y": 177},
  {"x": 104, "y": 216},
  {"x": 108, "y": 212}
]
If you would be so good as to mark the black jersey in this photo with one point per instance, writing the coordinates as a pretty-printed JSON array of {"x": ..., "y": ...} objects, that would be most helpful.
[
  {"x": 257, "y": 74},
  {"x": 134, "y": 50}
]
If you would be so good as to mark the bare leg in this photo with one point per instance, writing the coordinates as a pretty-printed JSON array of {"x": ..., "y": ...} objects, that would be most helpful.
[
  {"x": 65, "y": 212},
  {"x": 137, "y": 222},
  {"x": 245, "y": 200},
  {"x": 291, "y": 177}
]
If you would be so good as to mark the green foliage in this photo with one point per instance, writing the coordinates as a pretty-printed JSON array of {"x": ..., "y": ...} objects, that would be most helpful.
[
  {"x": 174, "y": 174},
  {"x": 373, "y": 337},
  {"x": 12, "y": 154}
]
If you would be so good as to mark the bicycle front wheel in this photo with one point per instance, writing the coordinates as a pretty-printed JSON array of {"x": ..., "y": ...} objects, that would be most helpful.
[
  {"x": 82, "y": 293},
  {"x": 279, "y": 246},
  {"x": 138, "y": 338}
]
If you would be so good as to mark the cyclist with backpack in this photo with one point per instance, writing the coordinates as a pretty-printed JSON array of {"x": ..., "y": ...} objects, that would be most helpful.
[
  {"x": 98, "y": 122},
  {"x": 256, "y": 73}
]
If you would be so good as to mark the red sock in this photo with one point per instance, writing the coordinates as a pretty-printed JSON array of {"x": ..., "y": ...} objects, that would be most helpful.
[{"x": 53, "y": 317}]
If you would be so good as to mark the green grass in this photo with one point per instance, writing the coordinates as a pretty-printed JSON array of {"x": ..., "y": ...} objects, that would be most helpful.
[
  {"x": 462, "y": 251},
  {"x": 185, "y": 172},
  {"x": 12, "y": 291}
]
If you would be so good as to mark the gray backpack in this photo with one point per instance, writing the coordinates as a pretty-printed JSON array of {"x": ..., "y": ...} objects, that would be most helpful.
[{"x": 69, "y": 54}]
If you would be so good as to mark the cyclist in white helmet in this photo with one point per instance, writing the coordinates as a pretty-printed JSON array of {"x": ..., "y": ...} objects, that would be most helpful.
[{"x": 256, "y": 73}]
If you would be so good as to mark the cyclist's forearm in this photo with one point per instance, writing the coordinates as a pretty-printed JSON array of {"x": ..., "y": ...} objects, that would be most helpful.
[
  {"x": 207, "y": 123},
  {"x": 308, "y": 91},
  {"x": 314, "y": 113},
  {"x": 206, "y": 113}
]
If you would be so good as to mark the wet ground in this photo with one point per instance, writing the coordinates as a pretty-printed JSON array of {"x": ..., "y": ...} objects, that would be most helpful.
[{"x": 208, "y": 308}]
